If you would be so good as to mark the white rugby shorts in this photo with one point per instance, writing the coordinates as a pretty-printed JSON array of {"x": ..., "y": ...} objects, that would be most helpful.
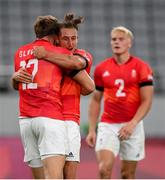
[
  {"x": 131, "y": 149},
  {"x": 74, "y": 141},
  {"x": 43, "y": 137}
]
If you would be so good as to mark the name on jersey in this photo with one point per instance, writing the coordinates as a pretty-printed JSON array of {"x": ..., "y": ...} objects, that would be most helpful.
[{"x": 25, "y": 53}]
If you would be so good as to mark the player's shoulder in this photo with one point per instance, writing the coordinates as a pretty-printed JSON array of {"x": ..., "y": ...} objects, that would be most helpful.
[
  {"x": 24, "y": 47},
  {"x": 83, "y": 51},
  {"x": 85, "y": 54},
  {"x": 104, "y": 62},
  {"x": 140, "y": 62}
]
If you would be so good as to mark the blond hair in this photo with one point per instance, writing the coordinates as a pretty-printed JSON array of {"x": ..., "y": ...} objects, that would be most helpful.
[{"x": 124, "y": 30}]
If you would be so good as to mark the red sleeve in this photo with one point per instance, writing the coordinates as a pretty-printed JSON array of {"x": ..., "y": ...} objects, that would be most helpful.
[
  {"x": 87, "y": 56},
  {"x": 90, "y": 58},
  {"x": 146, "y": 74},
  {"x": 98, "y": 78}
]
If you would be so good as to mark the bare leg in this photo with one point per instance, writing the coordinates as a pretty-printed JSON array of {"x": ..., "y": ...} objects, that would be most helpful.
[
  {"x": 70, "y": 169},
  {"x": 38, "y": 173},
  {"x": 106, "y": 161},
  {"x": 128, "y": 169},
  {"x": 53, "y": 167}
]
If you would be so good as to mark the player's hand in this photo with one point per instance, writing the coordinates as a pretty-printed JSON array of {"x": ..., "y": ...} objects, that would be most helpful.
[
  {"x": 22, "y": 75},
  {"x": 91, "y": 139},
  {"x": 126, "y": 131},
  {"x": 39, "y": 52},
  {"x": 73, "y": 50}
]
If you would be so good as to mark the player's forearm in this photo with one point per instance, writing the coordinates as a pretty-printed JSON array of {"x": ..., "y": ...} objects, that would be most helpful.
[
  {"x": 85, "y": 91},
  {"x": 66, "y": 61},
  {"x": 141, "y": 112},
  {"x": 94, "y": 111},
  {"x": 14, "y": 83},
  {"x": 85, "y": 81},
  {"x": 88, "y": 87}
]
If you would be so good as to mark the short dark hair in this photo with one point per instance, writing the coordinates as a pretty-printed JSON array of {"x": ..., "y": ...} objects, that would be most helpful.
[
  {"x": 46, "y": 25},
  {"x": 71, "y": 22}
]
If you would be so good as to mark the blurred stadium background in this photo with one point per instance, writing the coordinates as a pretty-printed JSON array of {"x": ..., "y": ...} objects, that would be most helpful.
[{"x": 144, "y": 17}]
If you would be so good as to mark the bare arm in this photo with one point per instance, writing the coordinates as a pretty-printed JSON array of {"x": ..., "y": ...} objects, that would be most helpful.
[
  {"x": 93, "y": 113},
  {"x": 20, "y": 76},
  {"x": 146, "y": 94},
  {"x": 14, "y": 83},
  {"x": 85, "y": 81},
  {"x": 63, "y": 60}
]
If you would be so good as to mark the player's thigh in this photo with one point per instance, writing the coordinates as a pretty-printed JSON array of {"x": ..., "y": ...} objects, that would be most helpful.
[
  {"x": 74, "y": 141},
  {"x": 133, "y": 149},
  {"x": 107, "y": 139},
  {"x": 29, "y": 140},
  {"x": 53, "y": 166},
  {"x": 52, "y": 136},
  {"x": 38, "y": 173}
]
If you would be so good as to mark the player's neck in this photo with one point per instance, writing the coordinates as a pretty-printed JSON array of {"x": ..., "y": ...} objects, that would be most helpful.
[
  {"x": 122, "y": 58},
  {"x": 49, "y": 39}
]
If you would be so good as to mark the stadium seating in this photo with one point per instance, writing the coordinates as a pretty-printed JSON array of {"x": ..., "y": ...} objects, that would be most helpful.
[{"x": 144, "y": 18}]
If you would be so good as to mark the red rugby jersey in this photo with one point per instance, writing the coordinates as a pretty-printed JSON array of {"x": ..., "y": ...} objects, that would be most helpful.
[
  {"x": 121, "y": 87},
  {"x": 70, "y": 92},
  {"x": 42, "y": 97}
]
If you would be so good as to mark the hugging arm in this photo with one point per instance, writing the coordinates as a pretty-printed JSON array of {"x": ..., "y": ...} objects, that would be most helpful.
[{"x": 62, "y": 60}]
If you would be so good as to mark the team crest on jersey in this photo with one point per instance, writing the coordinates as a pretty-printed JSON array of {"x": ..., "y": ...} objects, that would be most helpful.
[
  {"x": 106, "y": 73},
  {"x": 133, "y": 73}
]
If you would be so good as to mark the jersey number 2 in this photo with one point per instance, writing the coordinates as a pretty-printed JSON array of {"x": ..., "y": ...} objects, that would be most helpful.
[
  {"x": 120, "y": 92},
  {"x": 34, "y": 71}
]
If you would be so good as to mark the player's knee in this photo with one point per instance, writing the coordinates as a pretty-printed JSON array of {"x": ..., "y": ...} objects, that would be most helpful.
[
  {"x": 105, "y": 170},
  {"x": 127, "y": 174},
  {"x": 70, "y": 169}
]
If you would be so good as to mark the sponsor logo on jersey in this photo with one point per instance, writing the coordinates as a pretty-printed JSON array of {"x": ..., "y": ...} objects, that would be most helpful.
[{"x": 106, "y": 73}]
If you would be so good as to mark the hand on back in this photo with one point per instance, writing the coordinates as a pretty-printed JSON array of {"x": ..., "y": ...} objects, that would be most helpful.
[{"x": 23, "y": 76}]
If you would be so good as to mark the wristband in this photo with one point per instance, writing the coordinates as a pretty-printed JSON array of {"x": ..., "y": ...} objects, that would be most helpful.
[{"x": 73, "y": 73}]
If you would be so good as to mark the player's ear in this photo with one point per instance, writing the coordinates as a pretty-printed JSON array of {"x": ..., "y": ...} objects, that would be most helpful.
[
  {"x": 56, "y": 42},
  {"x": 130, "y": 44}
]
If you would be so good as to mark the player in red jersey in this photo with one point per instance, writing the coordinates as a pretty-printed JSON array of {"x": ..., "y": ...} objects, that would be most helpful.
[
  {"x": 42, "y": 126},
  {"x": 71, "y": 91},
  {"x": 126, "y": 83}
]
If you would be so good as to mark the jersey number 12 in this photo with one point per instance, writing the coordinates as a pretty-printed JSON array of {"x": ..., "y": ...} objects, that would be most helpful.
[{"x": 33, "y": 62}]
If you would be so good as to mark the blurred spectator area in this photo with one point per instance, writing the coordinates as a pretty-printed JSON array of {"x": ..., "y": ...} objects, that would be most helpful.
[{"x": 144, "y": 17}]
